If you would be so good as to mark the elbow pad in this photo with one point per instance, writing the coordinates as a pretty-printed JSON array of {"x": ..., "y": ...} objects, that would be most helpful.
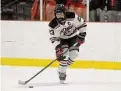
[
  {"x": 82, "y": 36},
  {"x": 55, "y": 41}
]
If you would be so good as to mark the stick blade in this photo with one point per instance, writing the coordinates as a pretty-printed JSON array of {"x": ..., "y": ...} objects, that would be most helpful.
[{"x": 21, "y": 82}]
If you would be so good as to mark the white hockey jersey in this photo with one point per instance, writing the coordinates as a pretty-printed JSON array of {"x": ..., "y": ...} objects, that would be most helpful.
[{"x": 73, "y": 26}]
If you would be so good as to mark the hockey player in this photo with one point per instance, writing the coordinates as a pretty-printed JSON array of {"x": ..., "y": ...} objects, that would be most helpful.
[{"x": 67, "y": 31}]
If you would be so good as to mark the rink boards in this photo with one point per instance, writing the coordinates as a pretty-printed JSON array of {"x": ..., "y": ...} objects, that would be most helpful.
[
  {"x": 77, "y": 64},
  {"x": 27, "y": 44}
]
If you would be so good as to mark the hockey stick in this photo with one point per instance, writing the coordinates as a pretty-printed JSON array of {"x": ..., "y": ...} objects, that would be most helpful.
[{"x": 25, "y": 82}]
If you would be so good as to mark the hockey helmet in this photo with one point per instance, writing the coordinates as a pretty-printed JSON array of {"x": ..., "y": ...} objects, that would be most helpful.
[
  {"x": 76, "y": 1},
  {"x": 60, "y": 13}
]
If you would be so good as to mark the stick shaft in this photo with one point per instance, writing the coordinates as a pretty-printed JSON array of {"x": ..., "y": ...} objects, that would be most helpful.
[
  {"x": 44, "y": 68},
  {"x": 40, "y": 71}
]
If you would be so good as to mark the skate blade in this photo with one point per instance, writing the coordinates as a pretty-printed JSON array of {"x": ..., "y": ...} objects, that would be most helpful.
[{"x": 62, "y": 82}]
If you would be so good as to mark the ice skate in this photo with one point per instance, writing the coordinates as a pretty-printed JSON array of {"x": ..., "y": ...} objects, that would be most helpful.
[{"x": 62, "y": 77}]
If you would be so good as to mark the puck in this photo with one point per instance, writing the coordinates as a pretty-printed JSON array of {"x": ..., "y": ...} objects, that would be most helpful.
[{"x": 30, "y": 86}]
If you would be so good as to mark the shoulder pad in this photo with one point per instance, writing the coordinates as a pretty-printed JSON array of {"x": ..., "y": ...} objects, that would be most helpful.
[
  {"x": 70, "y": 15},
  {"x": 53, "y": 23}
]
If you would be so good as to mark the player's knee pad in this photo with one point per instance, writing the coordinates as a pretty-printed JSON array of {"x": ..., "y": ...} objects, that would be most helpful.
[{"x": 73, "y": 53}]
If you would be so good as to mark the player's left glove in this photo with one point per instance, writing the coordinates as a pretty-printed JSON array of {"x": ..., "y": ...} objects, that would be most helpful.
[{"x": 80, "y": 38}]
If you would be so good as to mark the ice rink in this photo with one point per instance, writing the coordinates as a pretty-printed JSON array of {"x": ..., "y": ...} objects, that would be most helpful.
[{"x": 77, "y": 79}]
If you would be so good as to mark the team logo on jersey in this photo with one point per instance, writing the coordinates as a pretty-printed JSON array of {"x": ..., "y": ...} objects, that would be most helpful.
[{"x": 68, "y": 31}]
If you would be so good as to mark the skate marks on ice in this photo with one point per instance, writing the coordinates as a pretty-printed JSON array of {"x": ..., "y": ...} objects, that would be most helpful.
[
  {"x": 71, "y": 83},
  {"x": 66, "y": 84},
  {"x": 43, "y": 84},
  {"x": 49, "y": 84},
  {"x": 93, "y": 83}
]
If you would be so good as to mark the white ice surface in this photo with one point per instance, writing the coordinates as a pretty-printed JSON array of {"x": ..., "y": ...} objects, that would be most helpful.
[{"x": 77, "y": 79}]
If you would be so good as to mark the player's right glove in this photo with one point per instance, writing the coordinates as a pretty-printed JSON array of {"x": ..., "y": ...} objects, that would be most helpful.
[{"x": 81, "y": 38}]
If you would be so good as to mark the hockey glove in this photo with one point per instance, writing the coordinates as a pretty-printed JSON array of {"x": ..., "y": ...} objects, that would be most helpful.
[{"x": 81, "y": 38}]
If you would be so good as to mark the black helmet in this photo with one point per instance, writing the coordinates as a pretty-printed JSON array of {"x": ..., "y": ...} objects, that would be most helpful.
[
  {"x": 60, "y": 13},
  {"x": 76, "y": 1}
]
